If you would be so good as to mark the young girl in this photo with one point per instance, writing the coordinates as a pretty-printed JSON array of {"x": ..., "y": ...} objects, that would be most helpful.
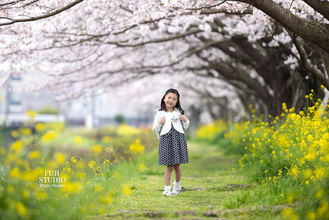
[{"x": 170, "y": 122}]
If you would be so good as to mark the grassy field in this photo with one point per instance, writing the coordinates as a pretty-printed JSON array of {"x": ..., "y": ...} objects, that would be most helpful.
[
  {"x": 98, "y": 187},
  {"x": 287, "y": 158},
  {"x": 212, "y": 187}
]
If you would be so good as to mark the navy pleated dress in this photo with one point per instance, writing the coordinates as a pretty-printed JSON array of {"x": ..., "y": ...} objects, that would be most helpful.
[{"x": 173, "y": 148}]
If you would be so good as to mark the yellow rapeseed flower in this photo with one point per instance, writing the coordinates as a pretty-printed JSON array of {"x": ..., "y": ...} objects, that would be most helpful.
[
  {"x": 21, "y": 209},
  {"x": 17, "y": 146},
  {"x": 283, "y": 141},
  {"x": 73, "y": 160},
  {"x": 108, "y": 198},
  {"x": 126, "y": 130},
  {"x": 311, "y": 215},
  {"x": 284, "y": 106},
  {"x": 323, "y": 142},
  {"x": 48, "y": 136},
  {"x": 77, "y": 139},
  {"x": 254, "y": 131},
  {"x": 127, "y": 190},
  {"x": 33, "y": 155},
  {"x": 25, "y": 131},
  {"x": 39, "y": 127},
  {"x": 72, "y": 187},
  {"x": 137, "y": 147},
  {"x": 32, "y": 175},
  {"x": 294, "y": 171},
  {"x": 323, "y": 208},
  {"x": 291, "y": 110},
  {"x": 290, "y": 214},
  {"x": 309, "y": 138},
  {"x": 320, "y": 172},
  {"x": 14, "y": 173},
  {"x": 91, "y": 164},
  {"x": 107, "y": 139},
  {"x": 26, "y": 194},
  {"x": 311, "y": 155},
  {"x": 96, "y": 148},
  {"x": 60, "y": 158},
  {"x": 14, "y": 134},
  {"x": 326, "y": 158},
  {"x": 307, "y": 173},
  {"x": 31, "y": 114}
]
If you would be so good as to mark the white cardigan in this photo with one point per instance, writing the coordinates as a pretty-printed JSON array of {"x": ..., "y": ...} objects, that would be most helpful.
[{"x": 172, "y": 118}]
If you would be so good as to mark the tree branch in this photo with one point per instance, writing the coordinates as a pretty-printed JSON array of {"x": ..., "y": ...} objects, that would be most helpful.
[
  {"x": 307, "y": 29},
  {"x": 55, "y": 12},
  {"x": 159, "y": 40},
  {"x": 320, "y": 6},
  {"x": 207, "y": 7},
  {"x": 304, "y": 62},
  {"x": 12, "y": 3}
]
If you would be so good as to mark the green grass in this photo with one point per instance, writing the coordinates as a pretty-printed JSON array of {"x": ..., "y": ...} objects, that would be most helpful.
[
  {"x": 215, "y": 187},
  {"x": 206, "y": 177}
]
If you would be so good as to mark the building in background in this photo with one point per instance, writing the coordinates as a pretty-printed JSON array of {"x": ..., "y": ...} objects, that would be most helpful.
[{"x": 96, "y": 112}]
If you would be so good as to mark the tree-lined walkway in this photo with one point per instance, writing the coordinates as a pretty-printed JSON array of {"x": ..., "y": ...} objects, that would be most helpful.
[{"x": 212, "y": 187}]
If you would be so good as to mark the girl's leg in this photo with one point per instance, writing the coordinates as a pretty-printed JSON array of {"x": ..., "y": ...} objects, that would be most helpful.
[
  {"x": 168, "y": 175},
  {"x": 178, "y": 173}
]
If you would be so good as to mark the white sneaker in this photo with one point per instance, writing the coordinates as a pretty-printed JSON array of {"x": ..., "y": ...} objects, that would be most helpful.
[
  {"x": 175, "y": 191},
  {"x": 166, "y": 192}
]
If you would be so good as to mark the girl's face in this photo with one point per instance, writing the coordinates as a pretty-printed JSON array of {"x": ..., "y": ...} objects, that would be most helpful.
[{"x": 170, "y": 100}]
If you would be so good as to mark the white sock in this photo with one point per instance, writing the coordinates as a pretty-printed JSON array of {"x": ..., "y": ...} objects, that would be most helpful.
[
  {"x": 177, "y": 184},
  {"x": 167, "y": 187}
]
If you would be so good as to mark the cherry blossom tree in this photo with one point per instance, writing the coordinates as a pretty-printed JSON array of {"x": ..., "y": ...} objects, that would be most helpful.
[{"x": 269, "y": 51}]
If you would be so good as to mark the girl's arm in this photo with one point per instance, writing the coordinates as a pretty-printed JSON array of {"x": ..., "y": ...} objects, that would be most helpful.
[
  {"x": 156, "y": 124},
  {"x": 185, "y": 120},
  {"x": 186, "y": 124}
]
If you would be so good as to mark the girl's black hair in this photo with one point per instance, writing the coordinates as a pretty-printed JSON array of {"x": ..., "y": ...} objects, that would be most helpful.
[{"x": 163, "y": 106}]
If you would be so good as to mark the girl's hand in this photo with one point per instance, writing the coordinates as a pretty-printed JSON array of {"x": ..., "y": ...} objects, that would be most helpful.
[
  {"x": 182, "y": 118},
  {"x": 162, "y": 120}
]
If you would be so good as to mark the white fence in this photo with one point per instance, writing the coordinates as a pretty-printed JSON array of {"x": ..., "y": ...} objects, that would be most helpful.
[{"x": 10, "y": 120}]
